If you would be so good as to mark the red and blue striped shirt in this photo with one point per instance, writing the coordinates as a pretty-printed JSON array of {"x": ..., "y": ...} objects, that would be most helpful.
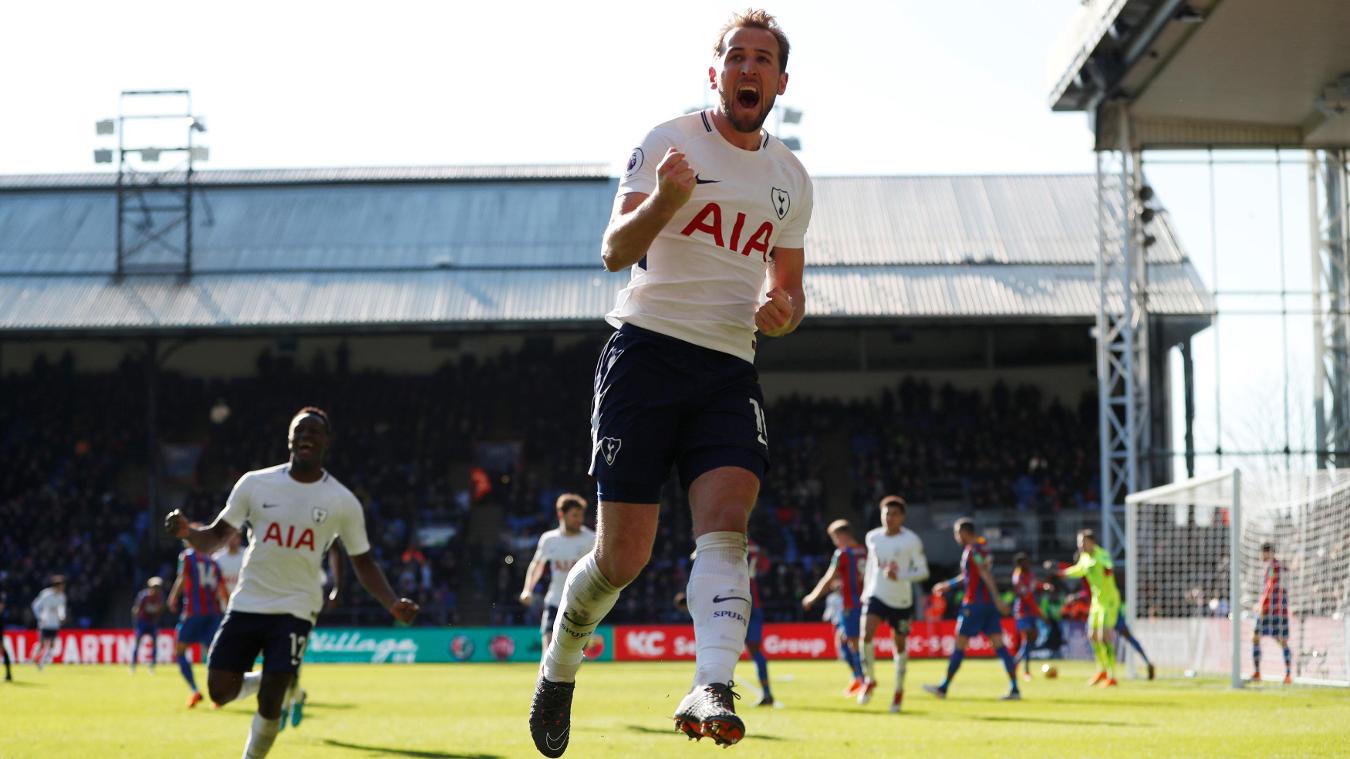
[
  {"x": 201, "y": 580},
  {"x": 850, "y": 562},
  {"x": 1274, "y": 599},
  {"x": 1024, "y": 593},
  {"x": 976, "y": 553}
]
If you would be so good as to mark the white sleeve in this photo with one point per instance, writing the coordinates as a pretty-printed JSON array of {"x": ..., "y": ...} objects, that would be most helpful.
[
  {"x": 36, "y": 606},
  {"x": 917, "y": 571},
  {"x": 794, "y": 231},
  {"x": 639, "y": 173},
  {"x": 539, "y": 549},
  {"x": 61, "y": 609},
  {"x": 352, "y": 531},
  {"x": 239, "y": 506}
]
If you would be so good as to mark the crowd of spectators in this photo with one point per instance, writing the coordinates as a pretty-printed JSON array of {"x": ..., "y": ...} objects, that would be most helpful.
[{"x": 503, "y": 434}]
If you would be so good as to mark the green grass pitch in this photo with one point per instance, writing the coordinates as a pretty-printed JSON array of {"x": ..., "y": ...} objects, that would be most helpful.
[{"x": 622, "y": 710}]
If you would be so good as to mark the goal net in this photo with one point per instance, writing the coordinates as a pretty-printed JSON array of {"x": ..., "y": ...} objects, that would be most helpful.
[{"x": 1198, "y": 587}]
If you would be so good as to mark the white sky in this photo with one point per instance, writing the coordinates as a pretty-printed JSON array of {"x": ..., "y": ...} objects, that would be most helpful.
[{"x": 887, "y": 87}]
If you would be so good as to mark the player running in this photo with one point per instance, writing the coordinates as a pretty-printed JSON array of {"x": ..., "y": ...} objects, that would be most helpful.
[
  {"x": 50, "y": 610},
  {"x": 758, "y": 562},
  {"x": 558, "y": 551},
  {"x": 895, "y": 561},
  {"x": 846, "y": 566},
  {"x": 298, "y": 509},
  {"x": 199, "y": 585},
  {"x": 1031, "y": 624},
  {"x": 4, "y": 649},
  {"x": 981, "y": 608},
  {"x": 710, "y": 219},
  {"x": 145, "y": 613},
  {"x": 1095, "y": 566},
  {"x": 1272, "y": 613}
]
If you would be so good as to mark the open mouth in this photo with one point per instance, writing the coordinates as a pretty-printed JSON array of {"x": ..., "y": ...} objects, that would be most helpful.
[{"x": 747, "y": 96}]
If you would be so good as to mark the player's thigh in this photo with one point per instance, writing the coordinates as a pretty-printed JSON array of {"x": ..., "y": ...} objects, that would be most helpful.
[
  {"x": 284, "y": 643},
  {"x": 237, "y": 642},
  {"x": 870, "y": 624},
  {"x": 852, "y": 623},
  {"x": 624, "y": 534},
  {"x": 720, "y": 499},
  {"x": 754, "y": 631}
]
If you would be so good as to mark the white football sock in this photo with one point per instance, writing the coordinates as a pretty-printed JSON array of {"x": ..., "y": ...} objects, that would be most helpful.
[
  {"x": 719, "y": 601},
  {"x": 252, "y": 680},
  {"x": 260, "y": 738},
  {"x": 901, "y": 662},
  {"x": 869, "y": 654},
  {"x": 587, "y": 598}
]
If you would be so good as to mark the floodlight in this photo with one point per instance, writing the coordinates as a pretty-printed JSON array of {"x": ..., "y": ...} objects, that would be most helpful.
[
  {"x": 201, "y": 153},
  {"x": 150, "y": 155},
  {"x": 198, "y": 124},
  {"x": 791, "y": 116},
  {"x": 104, "y": 127},
  {"x": 103, "y": 155},
  {"x": 792, "y": 143}
]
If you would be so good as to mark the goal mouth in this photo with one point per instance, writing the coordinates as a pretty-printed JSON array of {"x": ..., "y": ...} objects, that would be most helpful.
[{"x": 1216, "y": 562}]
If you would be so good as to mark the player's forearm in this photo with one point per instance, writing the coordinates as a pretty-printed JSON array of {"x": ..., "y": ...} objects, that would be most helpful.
[
  {"x": 918, "y": 574},
  {"x": 210, "y": 538},
  {"x": 798, "y": 297},
  {"x": 629, "y": 236},
  {"x": 373, "y": 580}
]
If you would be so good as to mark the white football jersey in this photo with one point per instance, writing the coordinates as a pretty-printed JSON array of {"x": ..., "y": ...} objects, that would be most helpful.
[
  {"x": 230, "y": 564},
  {"x": 905, "y": 550},
  {"x": 561, "y": 551},
  {"x": 704, "y": 274},
  {"x": 50, "y": 608},
  {"x": 293, "y": 525}
]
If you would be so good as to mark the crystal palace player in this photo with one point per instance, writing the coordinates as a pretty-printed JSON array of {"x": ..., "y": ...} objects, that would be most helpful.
[
  {"x": 981, "y": 608},
  {"x": 296, "y": 510},
  {"x": 202, "y": 590},
  {"x": 758, "y": 562},
  {"x": 895, "y": 561},
  {"x": 145, "y": 612},
  {"x": 1026, "y": 611},
  {"x": 558, "y": 551},
  {"x": 710, "y": 218},
  {"x": 1272, "y": 613},
  {"x": 847, "y": 566}
]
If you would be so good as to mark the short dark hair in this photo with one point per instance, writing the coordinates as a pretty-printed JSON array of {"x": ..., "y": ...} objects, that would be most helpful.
[
  {"x": 1020, "y": 557},
  {"x": 1268, "y": 547},
  {"x": 315, "y": 411},
  {"x": 965, "y": 524},
  {"x": 895, "y": 500},
  {"x": 754, "y": 19},
  {"x": 568, "y": 501},
  {"x": 840, "y": 525}
]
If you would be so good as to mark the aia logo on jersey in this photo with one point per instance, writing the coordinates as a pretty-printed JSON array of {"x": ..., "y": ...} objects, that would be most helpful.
[
  {"x": 290, "y": 539},
  {"x": 709, "y": 222},
  {"x": 781, "y": 202}
]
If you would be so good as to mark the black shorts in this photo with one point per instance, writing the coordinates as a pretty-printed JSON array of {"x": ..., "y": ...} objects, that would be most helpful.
[
  {"x": 660, "y": 401},
  {"x": 898, "y": 619},
  {"x": 546, "y": 620},
  {"x": 47, "y": 633},
  {"x": 242, "y": 635}
]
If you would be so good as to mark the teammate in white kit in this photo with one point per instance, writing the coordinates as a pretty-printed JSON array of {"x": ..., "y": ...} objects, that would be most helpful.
[
  {"x": 895, "y": 561},
  {"x": 230, "y": 559},
  {"x": 296, "y": 511},
  {"x": 50, "y": 610},
  {"x": 710, "y": 218},
  {"x": 558, "y": 551}
]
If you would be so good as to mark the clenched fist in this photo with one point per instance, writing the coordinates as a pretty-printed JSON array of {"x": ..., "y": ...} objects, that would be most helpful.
[
  {"x": 674, "y": 179},
  {"x": 774, "y": 316}
]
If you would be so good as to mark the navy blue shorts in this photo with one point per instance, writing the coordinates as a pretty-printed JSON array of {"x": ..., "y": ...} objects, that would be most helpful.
[
  {"x": 754, "y": 632},
  {"x": 660, "y": 401},
  {"x": 280, "y": 638},
  {"x": 198, "y": 629},
  {"x": 48, "y": 633},
  {"x": 1273, "y": 625},
  {"x": 546, "y": 619},
  {"x": 850, "y": 622},
  {"x": 899, "y": 618},
  {"x": 146, "y": 628},
  {"x": 979, "y": 619}
]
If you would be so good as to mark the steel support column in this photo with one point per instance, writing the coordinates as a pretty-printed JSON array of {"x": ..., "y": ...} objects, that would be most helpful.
[
  {"x": 1122, "y": 334},
  {"x": 1329, "y": 207}
]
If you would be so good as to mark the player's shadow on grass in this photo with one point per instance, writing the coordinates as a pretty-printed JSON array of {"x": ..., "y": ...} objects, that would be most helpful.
[
  {"x": 1049, "y": 720},
  {"x": 387, "y": 751},
  {"x": 653, "y": 731}
]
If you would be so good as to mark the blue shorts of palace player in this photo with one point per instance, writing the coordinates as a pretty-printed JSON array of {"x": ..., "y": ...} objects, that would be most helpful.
[
  {"x": 979, "y": 619},
  {"x": 850, "y": 622},
  {"x": 146, "y": 628},
  {"x": 1273, "y": 625},
  {"x": 198, "y": 629},
  {"x": 660, "y": 401},
  {"x": 280, "y": 638},
  {"x": 754, "y": 631}
]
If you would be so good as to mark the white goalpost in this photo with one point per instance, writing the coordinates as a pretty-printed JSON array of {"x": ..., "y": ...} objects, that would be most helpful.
[{"x": 1195, "y": 576}]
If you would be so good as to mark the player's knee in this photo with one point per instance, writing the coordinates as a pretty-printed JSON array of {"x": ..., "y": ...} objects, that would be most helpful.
[
  {"x": 622, "y": 566},
  {"x": 221, "y": 692}
]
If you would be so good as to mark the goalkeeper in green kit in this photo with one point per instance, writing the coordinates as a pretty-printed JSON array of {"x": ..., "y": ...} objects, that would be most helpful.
[{"x": 1094, "y": 565}]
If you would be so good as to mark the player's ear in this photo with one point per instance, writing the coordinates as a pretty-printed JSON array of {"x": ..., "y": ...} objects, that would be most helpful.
[
  {"x": 712, "y": 78},
  {"x": 782, "y": 83}
]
